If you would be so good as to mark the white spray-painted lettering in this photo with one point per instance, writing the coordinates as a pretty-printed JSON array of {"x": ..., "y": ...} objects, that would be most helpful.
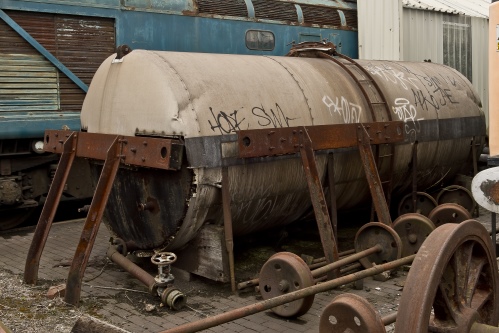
[
  {"x": 349, "y": 111},
  {"x": 407, "y": 112},
  {"x": 391, "y": 75}
]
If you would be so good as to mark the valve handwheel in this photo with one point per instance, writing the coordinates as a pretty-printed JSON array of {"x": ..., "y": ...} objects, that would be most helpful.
[
  {"x": 164, "y": 258},
  {"x": 452, "y": 283}
]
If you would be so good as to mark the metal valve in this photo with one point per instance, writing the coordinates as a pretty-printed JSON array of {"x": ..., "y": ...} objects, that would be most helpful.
[{"x": 163, "y": 260}]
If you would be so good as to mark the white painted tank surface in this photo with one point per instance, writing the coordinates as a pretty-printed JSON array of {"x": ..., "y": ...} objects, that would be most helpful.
[{"x": 205, "y": 98}]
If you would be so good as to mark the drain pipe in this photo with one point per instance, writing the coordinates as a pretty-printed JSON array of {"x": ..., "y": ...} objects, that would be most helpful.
[{"x": 170, "y": 295}]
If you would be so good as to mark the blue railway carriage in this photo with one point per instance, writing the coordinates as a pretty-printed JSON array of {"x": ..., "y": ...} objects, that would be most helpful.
[{"x": 50, "y": 50}]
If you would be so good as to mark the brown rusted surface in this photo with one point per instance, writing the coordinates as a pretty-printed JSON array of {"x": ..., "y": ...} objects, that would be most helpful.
[
  {"x": 284, "y": 273},
  {"x": 378, "y": 234},
  {"x": 424, "y": 204},
  {"x": 350, "y": 313},
  {"x": 458, "y": 195},
  {"x": 283, "y": 299},
  {"x": 412, "y": 228},
  {"x": 449, "y": 213},
  {"x": 93, "y": 220},
  {"x": 372, "y": 175},
  {"x": 49, "y": 208},
  {"x": 452, "y": 283},
  {"x": 328, "y": 240},
  {"x": 137, "y": 272},
  {"x": 282, "y": 141},
  {"x": 156, "y": 153}
]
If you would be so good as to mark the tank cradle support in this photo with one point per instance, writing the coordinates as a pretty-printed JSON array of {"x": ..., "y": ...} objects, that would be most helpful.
[
  {"x": 305, "y": 140},
  {"x": 139, "y": 151}
]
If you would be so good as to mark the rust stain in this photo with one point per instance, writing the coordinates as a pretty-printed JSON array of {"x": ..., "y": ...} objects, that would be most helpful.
[{"x": 490, "y": 190}]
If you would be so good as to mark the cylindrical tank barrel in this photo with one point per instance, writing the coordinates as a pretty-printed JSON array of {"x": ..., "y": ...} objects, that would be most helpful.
[{"x": 205, "y": 98}]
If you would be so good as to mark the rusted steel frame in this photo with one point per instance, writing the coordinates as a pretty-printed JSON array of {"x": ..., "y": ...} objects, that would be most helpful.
[
  {"x": 286, "y": 298},
  {"x": 159, "y": 153},
  {"x": 332, "y": 194},
  {"x": 137, "y": 272},
  {"x": 414, "y": 166},
  {"x": 50, "y": 207},
  {"x": 366, "y": 154},
  {"x": 473, "y": 152},
  {"x": 286, "y": 140},
  {"x": 328, "y": 239},
  {"x": 93, "y": 220},
  {"x": 229, "y": 237}
]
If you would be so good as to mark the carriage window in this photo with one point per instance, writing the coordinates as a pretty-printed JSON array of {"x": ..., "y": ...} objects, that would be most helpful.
[{"x": 260, "y": 40}]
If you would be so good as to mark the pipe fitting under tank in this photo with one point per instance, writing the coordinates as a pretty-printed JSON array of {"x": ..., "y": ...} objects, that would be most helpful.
[{"x": 161, "y": 284}]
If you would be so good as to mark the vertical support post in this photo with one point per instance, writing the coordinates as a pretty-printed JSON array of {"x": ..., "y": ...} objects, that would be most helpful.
[
  {"x": 92, "y": 222},
  {"x": 49, "y": 209},
  {"x": 367, "y": 157},
  {"x": 494, "y": 231},
  {"x": 229, "y": 238},
  {"x": 475, "y": 169},
  {"x": 332, "y": 192},
  {"x": 415, "y": 176},
  {"x": 328, "y": 238}
]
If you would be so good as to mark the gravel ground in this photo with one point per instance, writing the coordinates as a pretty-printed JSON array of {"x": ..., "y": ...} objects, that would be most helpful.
[{"x": 26, "y": 309}]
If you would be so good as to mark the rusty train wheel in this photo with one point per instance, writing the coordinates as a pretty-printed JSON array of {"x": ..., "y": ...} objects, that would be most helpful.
[
  {"x": 449, "y": 213},
  {"x": 285, "y": 272},
  {"x": 413, "y": 228},
  {"x": 350, "y": 313},
  {"x": 374, "y": 233},
  {"x": 458, "y": 195},
  {"x": 424, "y": 204},
  {"x": 13, "y": 218},
  {"x": 452, "y": 282}
]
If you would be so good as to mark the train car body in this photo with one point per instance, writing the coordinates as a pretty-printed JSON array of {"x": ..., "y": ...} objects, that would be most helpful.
[
  {"x": 49, "y": 51},
  {"x": 203, "y": 99}
]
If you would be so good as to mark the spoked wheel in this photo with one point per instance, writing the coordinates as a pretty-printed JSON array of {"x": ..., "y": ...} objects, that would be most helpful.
[
  {"x": 452, "y": 283},
  {"x": 13, "y": 218}
]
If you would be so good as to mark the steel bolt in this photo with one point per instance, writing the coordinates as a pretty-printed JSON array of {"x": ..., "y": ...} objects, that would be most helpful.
[
  {"x": 133, "y": 150},
  {"x": 413, "y": 238},
  {"x": 143, "y": 159}
]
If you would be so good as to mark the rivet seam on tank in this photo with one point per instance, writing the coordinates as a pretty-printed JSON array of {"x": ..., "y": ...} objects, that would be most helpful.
[
  {"x": 185, "y": 87},
  {"x": 297, "y": 83}
]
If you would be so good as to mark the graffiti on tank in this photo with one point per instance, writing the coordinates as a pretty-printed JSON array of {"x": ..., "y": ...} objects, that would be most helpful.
[
  {"x": 435, "y": 95},
  {"x": 407, "y": 112},
  {"x": 230, "y": 122},
  {"x": 225, "y": 122},
  {"x": 392, "y": 75},
  {"x": 349, "y": 111},
  {"x": 275, "y": 118},
  {"x": 435, "y": 92}
]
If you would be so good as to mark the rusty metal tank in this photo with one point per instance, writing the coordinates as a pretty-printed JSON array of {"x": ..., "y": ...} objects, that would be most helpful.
[{"x": 205, "y": 98}]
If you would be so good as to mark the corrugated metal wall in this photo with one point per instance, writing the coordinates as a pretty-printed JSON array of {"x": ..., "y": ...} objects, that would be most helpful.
[
  {"x": 380, "y": 29},
  {"x": 480, "y": 61},
  {"x": 80, "y": 43},
  {"x": 422, "y": 35}
]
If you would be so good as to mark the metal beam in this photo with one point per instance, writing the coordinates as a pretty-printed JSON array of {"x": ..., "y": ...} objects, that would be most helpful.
[{"x": 39, "y": 47}]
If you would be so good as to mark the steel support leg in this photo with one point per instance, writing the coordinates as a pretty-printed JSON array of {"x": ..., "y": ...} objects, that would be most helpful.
[
  {"x": 372, "y": 175},
  {"x": 326, "y": 232},
  {"x": 92, "y": 222},
  {"x": 49, "y": 209},
  {"x": 229, "y": 238}
]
